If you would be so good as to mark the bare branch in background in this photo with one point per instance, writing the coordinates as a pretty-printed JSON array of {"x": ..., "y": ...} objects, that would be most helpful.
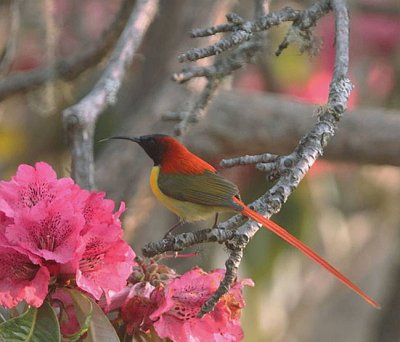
[
  {"x": 198, "y": 109},
  {"x": 7, "y": 55},
  {"x": 366, "y": 135},
  {"x": 51, "y": 44},
  {"x": 387, "y": 329},
  {"x": 80, "y": 119},
  {"x": 69, "y": 68},
  {"x": 310, "y": 147}
]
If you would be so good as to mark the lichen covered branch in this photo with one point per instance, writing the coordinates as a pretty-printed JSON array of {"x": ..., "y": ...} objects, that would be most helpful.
[
  {"x": 241, "y": 31},
  {"x": 221, "y": 68},
  {"x": 244, "y": 39}
]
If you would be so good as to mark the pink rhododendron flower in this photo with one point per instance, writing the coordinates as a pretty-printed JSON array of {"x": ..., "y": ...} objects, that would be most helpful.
[
  {"x": 50, "y": 227},
  {"x": 137, "y": 303},
  {"x": 98, "y": 210},
  {"x": 4, "y": 219},
  {"x": 50, "y": 231},
  {"x": 22, "y": 277},
  {"x": 106, "y": 260},
  {"x": 33, "y": 185},
  {"x": 177, "y": 314}
]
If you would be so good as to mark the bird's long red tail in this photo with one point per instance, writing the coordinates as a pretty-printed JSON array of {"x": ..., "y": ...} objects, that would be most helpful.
[{"x": 285, "y": 235}]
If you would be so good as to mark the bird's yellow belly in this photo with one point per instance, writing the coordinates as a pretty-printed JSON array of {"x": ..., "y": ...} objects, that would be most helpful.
[{"x": 187, "y": 211}]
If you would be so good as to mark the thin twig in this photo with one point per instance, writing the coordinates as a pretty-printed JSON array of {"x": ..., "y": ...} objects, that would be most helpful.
[
  {"x": 199, "y": 108},
  {"x": 241, "y": 33},
  {"x": 224, "y": 66},
  {"x": 248, "y": 160},
  {"x": 248, "y": 38},
  {"x": 232, "y": 266},
  {"x": 301, "y": 30},
  {"x": 210, "y": 31},
  {"x": 79, "y": 119},
  {"x": 214, "y": 74},
  {"x": 185, "y": 240},
  {"x": 51, "y": 40},
  {"x": 274, "y": 166},
  {"x": 221, "y": 68}
]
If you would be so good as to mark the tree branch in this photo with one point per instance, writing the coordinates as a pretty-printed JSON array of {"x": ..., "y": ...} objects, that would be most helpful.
[
  {"x": 69, "y": 68},
  {"x": 198, "y": 110},
  {"x": 221, "y": 68},
  {"x": 275, "y": 122},
  {"x": 310, "y": 147},
  {"x": 243, "y": 31},
  {"x": 79, "y": 119},
  {"x": 248, "y": 39}
]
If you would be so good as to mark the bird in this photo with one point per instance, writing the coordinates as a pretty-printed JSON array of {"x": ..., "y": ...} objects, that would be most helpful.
[{"x": 192, "y": 189}]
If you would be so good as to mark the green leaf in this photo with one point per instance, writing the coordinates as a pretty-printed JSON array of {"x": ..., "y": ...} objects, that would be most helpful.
[
  {"x": 93, "y": 319},
  {"x": 83, "y": 311},
  {"x": 34, "y": 325},
  {"x": 4, "y": 314}
]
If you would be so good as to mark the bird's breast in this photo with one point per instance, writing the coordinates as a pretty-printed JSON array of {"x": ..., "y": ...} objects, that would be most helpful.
[{"x": 187, "y": 211}]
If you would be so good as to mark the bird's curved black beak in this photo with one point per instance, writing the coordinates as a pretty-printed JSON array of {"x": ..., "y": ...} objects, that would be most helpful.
[
  {"x": 151, "y": 144},
  {"x": 134, "y": 139}
]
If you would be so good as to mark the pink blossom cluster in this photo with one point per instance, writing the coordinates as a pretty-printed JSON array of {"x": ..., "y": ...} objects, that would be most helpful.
[
  {"x": 171, "y": 308},
  {"x": 54, "y": 233}
]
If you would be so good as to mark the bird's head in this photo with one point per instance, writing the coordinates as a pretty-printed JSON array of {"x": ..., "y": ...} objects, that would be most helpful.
[
  {"x": 170, "y": 154},
  {"x": 155, "y": 145}
]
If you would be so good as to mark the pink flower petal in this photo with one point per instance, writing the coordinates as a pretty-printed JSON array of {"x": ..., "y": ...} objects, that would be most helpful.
[
  {"x": 98, "y": 210},
  {"x": 173, "y": 328},
  {"x": 176, "y": 317},
  {"x": 121, "y": 209},
  {"x": 21, "y": 279},
  {"x": 50, "y": 231},
  {"x": 106, "y": 262},
  {"x": 114, "y": 299},
  {"x": 5, "y": 209},
  {"x": 5, "y": 220},
  {"x": 33, "y": 185},
  {"x": 137, "y": 307}
]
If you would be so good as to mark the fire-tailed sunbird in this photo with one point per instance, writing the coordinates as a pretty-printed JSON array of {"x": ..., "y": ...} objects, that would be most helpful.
[{"x": 190, "y": 187}]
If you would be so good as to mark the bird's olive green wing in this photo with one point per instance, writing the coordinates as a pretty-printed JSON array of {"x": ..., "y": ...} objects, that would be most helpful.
[{"x": 207, "y": 188}]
